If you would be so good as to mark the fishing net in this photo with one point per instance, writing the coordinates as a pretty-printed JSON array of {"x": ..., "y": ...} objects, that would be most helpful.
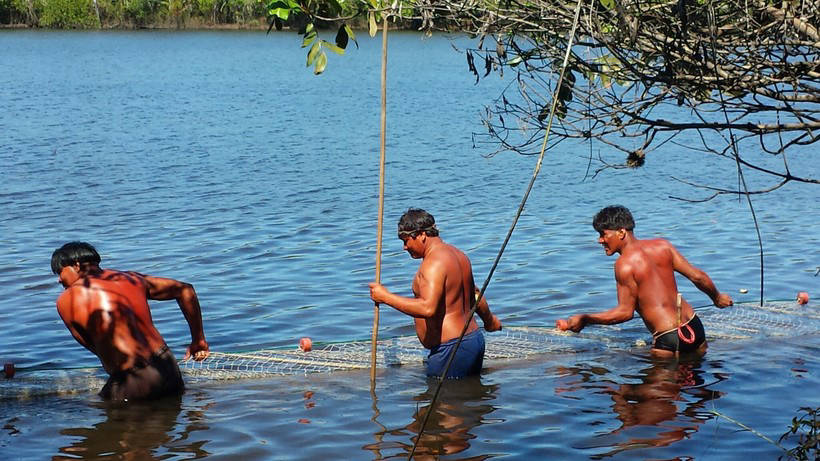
[
  {"x": 742, "y": 321},
  {"x": 399, "y": 351},
  {"x": 748, "y": 321}
]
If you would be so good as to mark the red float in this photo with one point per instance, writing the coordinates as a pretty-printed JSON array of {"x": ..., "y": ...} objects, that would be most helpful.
[{"x": 802, "y": 298}]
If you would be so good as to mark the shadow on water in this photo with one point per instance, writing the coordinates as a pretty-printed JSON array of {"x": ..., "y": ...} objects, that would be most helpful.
[
  {"x": 661, "y": 404},
  {"x": 138, "y": 431},
  {"x": 463, "y": 405}
]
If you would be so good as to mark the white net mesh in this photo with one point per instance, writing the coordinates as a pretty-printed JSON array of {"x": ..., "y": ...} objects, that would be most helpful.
[{"x": 743, "y": 321}]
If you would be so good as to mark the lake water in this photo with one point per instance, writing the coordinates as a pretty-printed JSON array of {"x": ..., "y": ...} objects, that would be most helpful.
[{"x": 218, "y": 159}]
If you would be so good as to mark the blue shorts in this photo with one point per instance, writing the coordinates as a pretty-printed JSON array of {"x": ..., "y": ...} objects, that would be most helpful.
[{"x": 468, "y": 360}]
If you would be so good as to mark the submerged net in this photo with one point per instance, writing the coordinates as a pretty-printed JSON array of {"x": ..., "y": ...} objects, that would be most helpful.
[
  {"x": 742, "y": 321},
  {"x": 512, "y": 343}
]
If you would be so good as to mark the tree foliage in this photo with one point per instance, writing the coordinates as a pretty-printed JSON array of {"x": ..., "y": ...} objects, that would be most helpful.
[
  {"x": 736, "y": 72},
  {"x": 805, "y": 427},
  {"x": 131, "y": 13}
]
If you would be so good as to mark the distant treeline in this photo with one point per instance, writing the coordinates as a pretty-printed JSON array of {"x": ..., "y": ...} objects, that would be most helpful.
[{"x": 91, "y": 14}]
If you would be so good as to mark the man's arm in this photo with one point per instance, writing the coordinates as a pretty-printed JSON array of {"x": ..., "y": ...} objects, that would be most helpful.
[
  {"x": 430, "y": 285},
  {"x": 491, "y": 322},
  {"x": 627, "y": 300},
  {"x": 76, "y": 324},
  {"x": 699, "y": 278},
  {"x": 164, "y": 289}
]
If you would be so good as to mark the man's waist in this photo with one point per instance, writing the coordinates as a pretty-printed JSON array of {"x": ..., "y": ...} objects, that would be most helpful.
[{"x": 449, "y": 342}]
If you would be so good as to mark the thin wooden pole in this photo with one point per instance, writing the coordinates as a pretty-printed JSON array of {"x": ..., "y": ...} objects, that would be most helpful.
[
  {"x": 452, "y": 355},
  {"x": 375, "y": 335}
]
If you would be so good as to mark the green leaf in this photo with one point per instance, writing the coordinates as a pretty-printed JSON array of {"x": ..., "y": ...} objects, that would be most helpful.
[
  {"x": 314, "y": 50},
  {"x": 309, "y": 28},
  {"x": 565, "y": 93},
  {"x": 321, "y": 62},
  {"x": 333, "y": 47},
  {"x": 351, "y": 35},
  {"x": 281, "y": 13},
  {"x": 336, "y": 6},
  {"x": 544, "y": 113},
  {"x": 341, "y": 37},
  {"x": 515, "y": 61},
  {"x": 278, "y": 4},
  {"x": 561, "y": 110},
  {"x": 371, "y": 20},
  {"x": 309, "y": 38}
]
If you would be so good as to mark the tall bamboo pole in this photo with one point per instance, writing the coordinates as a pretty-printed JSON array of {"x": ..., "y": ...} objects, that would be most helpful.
[{"x": 375, "y": 335}]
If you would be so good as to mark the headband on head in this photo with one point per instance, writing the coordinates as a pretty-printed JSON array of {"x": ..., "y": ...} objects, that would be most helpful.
[{"x": 414, "y": 233}]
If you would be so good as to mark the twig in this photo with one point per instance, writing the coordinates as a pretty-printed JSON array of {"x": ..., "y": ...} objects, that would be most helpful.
[{"x": 753, "y": 431}]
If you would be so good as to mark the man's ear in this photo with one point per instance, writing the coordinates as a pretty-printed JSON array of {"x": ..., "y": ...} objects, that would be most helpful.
[{"x": 621, "y": 233}]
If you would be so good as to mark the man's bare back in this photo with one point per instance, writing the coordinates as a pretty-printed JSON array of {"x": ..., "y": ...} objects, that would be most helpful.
[
  {"x": 107, "y": 312},
  {"x": 652, "y": 264}
]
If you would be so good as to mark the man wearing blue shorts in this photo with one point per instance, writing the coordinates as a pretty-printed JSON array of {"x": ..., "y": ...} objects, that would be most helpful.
[{"x": 444, "y": 291}]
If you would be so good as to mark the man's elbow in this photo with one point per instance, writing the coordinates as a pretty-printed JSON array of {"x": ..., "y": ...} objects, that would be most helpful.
[
  {"x": 699, "y": 278},
  {"x": 427, "y": 312},
  {"x": 620, "y": 316},
  {"x": 626, "y": 317},
  {"x": 187, "y": 292}
]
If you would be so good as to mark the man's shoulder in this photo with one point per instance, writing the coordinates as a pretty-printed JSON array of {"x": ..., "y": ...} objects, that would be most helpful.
[
  {"x": 72, "y": 297},
  {"x": 116, "y": 276},
  {"x": 445, "y": 254}
]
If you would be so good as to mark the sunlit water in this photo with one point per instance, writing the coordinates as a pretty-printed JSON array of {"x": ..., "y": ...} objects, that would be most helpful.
[{"x": 218, "y": 159}]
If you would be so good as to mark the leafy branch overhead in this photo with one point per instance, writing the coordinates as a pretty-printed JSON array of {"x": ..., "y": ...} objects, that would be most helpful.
[
  {"x": 743, "y": 76},
  {"x": 309, "y": 16}
]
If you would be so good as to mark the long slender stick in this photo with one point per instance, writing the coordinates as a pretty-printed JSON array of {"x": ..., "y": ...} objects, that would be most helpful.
[
  {"x": 753, "y": 431},
  {"x": 537, "y": 169},
  {"x": 375, "y": 335}
]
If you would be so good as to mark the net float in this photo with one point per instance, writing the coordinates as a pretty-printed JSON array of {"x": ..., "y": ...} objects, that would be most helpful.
[
  {"x": 305, "y": 344},
  {"x": 802, "y": 298}
]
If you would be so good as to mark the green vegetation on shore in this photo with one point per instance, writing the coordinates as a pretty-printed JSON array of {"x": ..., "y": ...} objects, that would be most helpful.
[{"x": 126, "y": 14}]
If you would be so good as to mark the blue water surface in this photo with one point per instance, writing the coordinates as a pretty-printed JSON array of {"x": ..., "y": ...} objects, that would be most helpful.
[{"x": 217, "y": 158}]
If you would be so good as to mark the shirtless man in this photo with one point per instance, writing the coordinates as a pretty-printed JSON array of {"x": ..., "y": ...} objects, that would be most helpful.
[
  {"x": 107, "y": 313},
  {"x": 444, "y": 292},
  {"x": 645, "y": 277}
]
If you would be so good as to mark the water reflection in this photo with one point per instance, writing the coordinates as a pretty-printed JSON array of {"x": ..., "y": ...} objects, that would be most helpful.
[
  {"x": 665, "y": 405},
  {"x": 137, "y": 431},
  {"x": 462, "y": 405}
]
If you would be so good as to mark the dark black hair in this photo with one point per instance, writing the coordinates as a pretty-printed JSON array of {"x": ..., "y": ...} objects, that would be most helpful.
[
  {"x": 71, "y": 253},
  {"x": 613, "y": 217},
  {"x": 415, "y": 221}
]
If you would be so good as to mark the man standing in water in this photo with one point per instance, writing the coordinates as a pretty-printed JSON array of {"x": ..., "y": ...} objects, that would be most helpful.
[
  {"x": 645, "y": 278},
  {"x": 444, "y": 292},
  {"x": 107, "y": 313}
]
